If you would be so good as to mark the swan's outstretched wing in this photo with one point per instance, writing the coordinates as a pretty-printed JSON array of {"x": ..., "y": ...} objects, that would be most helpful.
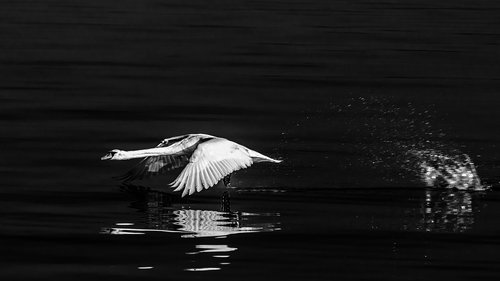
[
  {"x": 156, "y": 165},
  {"x": 211, "y": 162}
]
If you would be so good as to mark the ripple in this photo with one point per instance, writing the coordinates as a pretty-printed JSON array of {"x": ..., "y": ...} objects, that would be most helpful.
[
  {"x": 145, "y": 267},
  {"x": 203, "y": 269},
  {"x": 214, "y": 249}
]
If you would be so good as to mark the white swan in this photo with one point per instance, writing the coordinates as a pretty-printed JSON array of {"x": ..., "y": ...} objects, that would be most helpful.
[{"x": 206, "y": 160}]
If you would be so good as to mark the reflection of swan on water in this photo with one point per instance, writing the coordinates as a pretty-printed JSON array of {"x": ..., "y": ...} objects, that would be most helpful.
[
  {"x": 163, "y": 216},
  {"x": 199, "y": 223}
]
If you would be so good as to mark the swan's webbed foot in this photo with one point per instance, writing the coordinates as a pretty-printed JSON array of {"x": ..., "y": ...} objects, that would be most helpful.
[{"x": 225, "y": 205}]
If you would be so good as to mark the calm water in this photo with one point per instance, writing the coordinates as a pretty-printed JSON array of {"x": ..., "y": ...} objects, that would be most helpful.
[{"x": 340, "y": 90}]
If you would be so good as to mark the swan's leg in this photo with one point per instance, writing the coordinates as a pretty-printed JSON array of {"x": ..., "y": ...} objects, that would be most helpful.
[{"x": 226, "y": 204}]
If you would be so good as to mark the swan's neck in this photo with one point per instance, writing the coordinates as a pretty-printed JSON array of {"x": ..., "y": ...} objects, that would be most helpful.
[{"x": 132, "y": 154}]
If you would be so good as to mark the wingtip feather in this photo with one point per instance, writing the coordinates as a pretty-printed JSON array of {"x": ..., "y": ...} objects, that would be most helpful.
[{"x": 185, "y": 192}]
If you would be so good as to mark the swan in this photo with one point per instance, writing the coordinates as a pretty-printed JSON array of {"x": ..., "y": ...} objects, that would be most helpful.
[{"x": 206, "y": 160}]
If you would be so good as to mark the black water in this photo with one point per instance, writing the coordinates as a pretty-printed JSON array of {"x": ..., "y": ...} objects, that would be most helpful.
[{"x": 339, "y": 90}]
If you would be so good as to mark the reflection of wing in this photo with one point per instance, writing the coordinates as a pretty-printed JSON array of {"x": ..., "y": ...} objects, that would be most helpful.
[
  {"x": 192, "y": 223},
  {"x": 155, "y": 165},
  {"x": 206, "y": 223},
  {"x": 211, "y": 162}
]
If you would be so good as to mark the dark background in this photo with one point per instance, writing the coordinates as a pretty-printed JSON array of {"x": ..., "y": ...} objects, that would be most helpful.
[{"x": 337, "y": 89}]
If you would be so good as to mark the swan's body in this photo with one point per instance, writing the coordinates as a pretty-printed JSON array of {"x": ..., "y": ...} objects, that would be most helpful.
[{"x": 206, "y": 160}]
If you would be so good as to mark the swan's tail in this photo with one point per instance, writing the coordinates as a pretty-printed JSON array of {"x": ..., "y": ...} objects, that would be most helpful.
[{"x": 257, "y": 157}]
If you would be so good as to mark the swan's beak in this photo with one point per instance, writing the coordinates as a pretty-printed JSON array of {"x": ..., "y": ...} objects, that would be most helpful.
[{"x": 107, "y": 156}]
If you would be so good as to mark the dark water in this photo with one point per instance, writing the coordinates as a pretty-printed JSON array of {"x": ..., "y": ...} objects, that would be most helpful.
[{"x": 338, "y": 89}]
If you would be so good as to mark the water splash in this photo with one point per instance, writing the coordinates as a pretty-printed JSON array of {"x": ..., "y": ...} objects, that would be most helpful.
[
  {"x": 402, "y": 142},
  {"x": 438, "y": 169}
]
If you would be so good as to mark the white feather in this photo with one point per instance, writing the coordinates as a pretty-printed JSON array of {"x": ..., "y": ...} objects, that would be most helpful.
[{"x": 210, "y": 163}]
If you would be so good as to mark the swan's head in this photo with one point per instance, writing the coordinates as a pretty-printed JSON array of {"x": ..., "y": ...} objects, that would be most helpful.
[{"x": 114, "y": 154}]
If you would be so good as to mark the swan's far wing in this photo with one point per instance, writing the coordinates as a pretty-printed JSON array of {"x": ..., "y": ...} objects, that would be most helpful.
[
  {"x": 155, "y": 165},
  {"x": 211, "y": 162}
]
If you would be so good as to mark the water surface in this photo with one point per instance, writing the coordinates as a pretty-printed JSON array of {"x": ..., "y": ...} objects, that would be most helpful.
[{"x": 340, "y": 90}]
